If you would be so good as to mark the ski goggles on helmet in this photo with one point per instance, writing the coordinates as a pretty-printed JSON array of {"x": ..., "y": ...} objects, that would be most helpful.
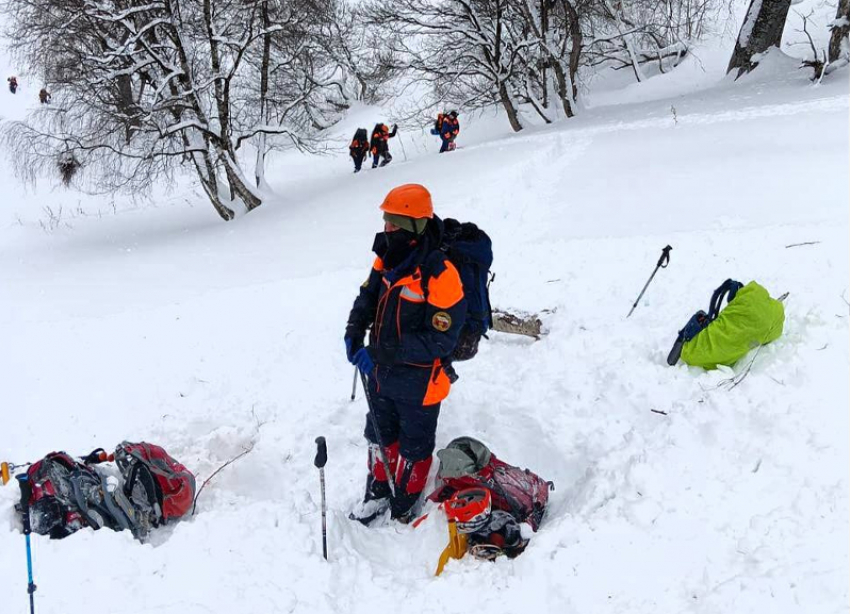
[{"x": 470, "y": 508}]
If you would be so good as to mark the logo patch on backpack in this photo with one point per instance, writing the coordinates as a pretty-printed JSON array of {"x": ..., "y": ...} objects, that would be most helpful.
[{"x": 441, "y": 321}]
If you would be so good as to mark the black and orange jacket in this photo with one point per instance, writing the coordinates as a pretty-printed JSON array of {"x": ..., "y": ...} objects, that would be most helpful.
[
  {"x": 380, "y": 135},
  {"x": 450, "y": 128},
  {"x": 416, "y": 314}
]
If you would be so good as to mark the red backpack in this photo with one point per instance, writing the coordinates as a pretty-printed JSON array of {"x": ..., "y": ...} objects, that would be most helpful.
[
  {"x": 167, "y": 486},
  {"x": 468, "y": 463}
]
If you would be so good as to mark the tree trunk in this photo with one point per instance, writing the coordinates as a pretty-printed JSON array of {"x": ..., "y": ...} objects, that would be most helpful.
[
  {"x": 510, "y": 109},
  {"x": 575, "y": 52},
  {"x": 239, "y": 186},
  {"x": 544, "y": 34},
  {"x": 618, "y": 11},
  {"x": 840, "y": 30},
  {"x": 564, "y": 90},
  {"x": 206, "y": 173},
  {"x": 761, "y": 30},
  {"x": 260, "y": 168}
]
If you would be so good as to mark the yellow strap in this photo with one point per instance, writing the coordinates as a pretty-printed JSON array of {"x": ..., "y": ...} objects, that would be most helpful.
[{"x": 4, "y": 472}]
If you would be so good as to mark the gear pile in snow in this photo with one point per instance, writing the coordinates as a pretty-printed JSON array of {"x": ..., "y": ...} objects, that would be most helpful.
[{"x": 147, "y": 489}]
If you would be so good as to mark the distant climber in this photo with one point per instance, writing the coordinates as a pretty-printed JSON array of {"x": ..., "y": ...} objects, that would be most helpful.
[
  {"x": 44, "y": 96},
  {"x": 13, "y": 84},
  {"x": 380, "y": 144},
  {"x": 449, "y": 129},
  {"x": 359, "y": 148}
]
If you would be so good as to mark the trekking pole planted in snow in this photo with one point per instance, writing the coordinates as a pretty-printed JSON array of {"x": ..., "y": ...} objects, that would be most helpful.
[
  {"x": 662, "y": 264},
  {"x": 400, "y": 142},
  {"x": 321, "y": 459},
  {"x": 380, "y": 442},
  {"x": 26, "y": 491},
  {"x": 354, "y": 385}
]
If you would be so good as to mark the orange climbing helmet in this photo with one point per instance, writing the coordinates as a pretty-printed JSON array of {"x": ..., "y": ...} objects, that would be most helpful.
[
  {"x": 410, "y": 200},
  {"x": 470, "y": 508}
]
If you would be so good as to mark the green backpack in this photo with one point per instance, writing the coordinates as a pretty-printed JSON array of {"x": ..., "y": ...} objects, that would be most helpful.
[{"x": 751, "y": 318}]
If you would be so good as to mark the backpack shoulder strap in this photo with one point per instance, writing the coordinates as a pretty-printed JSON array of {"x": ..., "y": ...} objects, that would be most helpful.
[{"x": 730, "y": 287}]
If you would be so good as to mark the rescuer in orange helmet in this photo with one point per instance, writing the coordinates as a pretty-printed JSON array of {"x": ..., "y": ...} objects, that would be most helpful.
[{"x": 413, "y": 301}]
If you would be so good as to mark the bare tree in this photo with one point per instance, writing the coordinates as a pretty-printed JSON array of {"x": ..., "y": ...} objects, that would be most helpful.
[
  {"x": 144, "y": 87},
  {"x": 634, "y": 34},
  {"x": 551, "y": 65},
  {"x": 364, "y": 63},
  {"x": 469, "y": 51},
  {"x": 761, "y": 30}
]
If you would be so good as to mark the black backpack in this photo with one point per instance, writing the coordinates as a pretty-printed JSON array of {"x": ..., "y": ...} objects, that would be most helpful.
[
  {"x": 377, "y": 131},
  {"x": 360, "y": 140},
  {"x": 470, "y": 250}
]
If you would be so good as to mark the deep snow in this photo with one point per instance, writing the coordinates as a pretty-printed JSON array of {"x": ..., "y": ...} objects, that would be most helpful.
[{"x": 163, "y": 323}]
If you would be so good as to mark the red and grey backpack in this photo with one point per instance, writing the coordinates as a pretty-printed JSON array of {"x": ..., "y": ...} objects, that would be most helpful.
[
  {"x": 155, "y": 480},
  {"x": 468, "y": 463},
  {"x": 67, "y": 495},
  {"x": 53, "y": 503}
]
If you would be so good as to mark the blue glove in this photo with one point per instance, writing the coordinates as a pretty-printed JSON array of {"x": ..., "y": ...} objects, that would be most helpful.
[
  {"x": 364, "y": 361},
  {"x": 351, "y": 348}
]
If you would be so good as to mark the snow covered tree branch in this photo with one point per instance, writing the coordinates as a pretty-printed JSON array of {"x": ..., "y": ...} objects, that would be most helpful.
[{"x": 142, "y": 88}]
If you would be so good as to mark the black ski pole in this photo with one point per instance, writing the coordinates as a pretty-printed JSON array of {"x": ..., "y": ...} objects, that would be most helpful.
[
  {"x": 374, "y": 421},
  {"x": 321, "y": 459},
  {"x": 662, "y": 264},
  {"x": 26, "y": 491},
  {"x": 354, "y": 385}
]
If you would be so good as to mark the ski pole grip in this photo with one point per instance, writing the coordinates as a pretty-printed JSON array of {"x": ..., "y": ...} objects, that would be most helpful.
[
  {"x": 665, "y": 257},
  {"x": 26, "y": 492},
  {"x": 321, "y": 452}
]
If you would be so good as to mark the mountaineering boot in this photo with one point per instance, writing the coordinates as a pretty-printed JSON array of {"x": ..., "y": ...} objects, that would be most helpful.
[
  {"x": 410, "y": 478},
  {"x": 376, "y": 501}
]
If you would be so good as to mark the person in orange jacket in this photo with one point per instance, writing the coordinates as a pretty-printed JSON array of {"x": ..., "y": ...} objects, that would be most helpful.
[
  {"x": 359, "y": 148},
  {"x": 414, "y": 305},
  {"x": 449, "y": 129},
  {"x": 380, "y": 144}
]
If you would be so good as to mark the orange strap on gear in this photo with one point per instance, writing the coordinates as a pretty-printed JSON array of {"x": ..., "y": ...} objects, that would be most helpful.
[{"x": 4, "y": 473}]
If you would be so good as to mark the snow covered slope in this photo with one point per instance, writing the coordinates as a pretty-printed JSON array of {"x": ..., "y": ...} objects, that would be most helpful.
[{"x": 163, "y": 323}]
